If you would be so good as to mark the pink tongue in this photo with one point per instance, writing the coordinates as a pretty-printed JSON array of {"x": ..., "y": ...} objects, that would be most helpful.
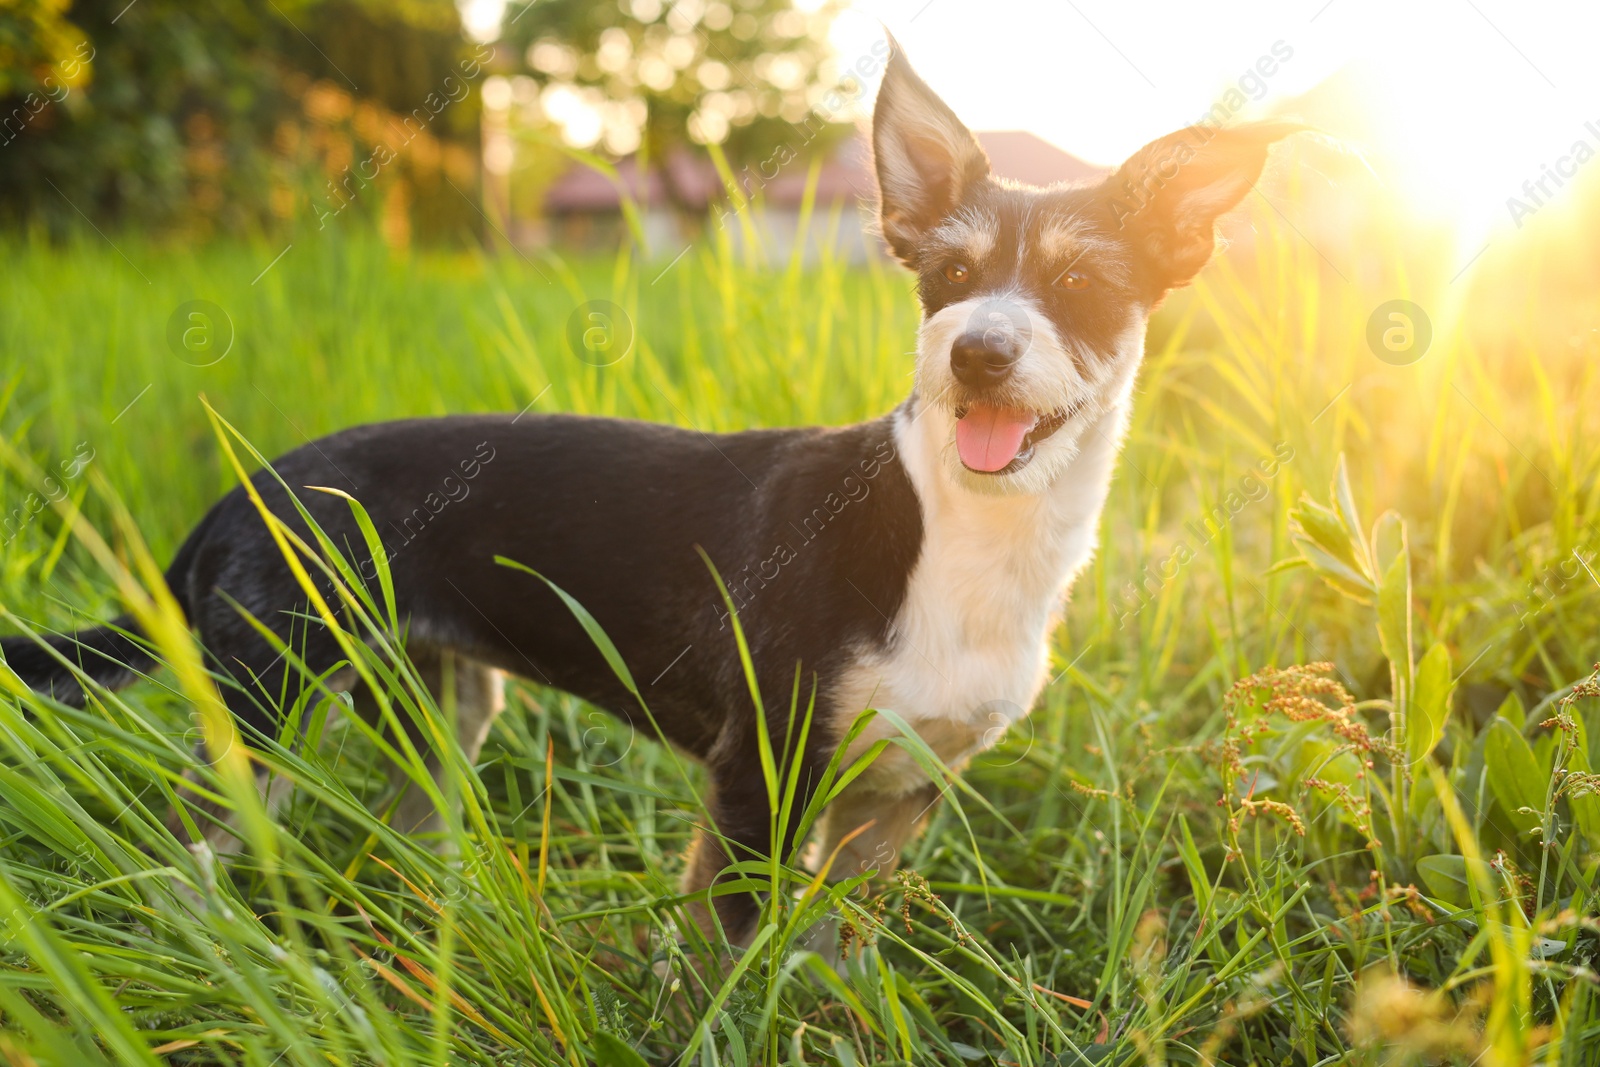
[{"x": 988, "y": 437}]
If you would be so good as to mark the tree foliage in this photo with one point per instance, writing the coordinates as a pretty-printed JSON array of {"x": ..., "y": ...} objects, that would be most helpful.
[
  {"x": 243, "y": 115},
  {"x": 738, "y": 73},
  {"x": 197, "y": 117}
]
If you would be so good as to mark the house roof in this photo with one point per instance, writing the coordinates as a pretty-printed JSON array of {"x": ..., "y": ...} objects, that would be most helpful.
[
  {"x": 846, "y": 175},
  {"x": 1027, "y": 157},
  {"x": 582, "y": 189}
]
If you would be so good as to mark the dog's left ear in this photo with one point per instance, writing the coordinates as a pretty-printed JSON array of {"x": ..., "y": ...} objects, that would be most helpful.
[
  {"x": 1170, "y": 193},
  {"x": 925, "y": 159}
]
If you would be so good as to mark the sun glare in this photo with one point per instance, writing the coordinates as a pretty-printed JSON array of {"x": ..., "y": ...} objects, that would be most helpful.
[
  {"x": 1485, "y": 151},
  {"x": 1463, "y": 109}
]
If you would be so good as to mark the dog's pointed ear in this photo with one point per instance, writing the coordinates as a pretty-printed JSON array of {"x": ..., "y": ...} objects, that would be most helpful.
[
  {"x": 1170, "y": 193},
  {"x": 925, "y": 159}
]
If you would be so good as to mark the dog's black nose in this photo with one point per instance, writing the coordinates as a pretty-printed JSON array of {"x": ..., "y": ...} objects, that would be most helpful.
[{"x": 980, "y": 360}]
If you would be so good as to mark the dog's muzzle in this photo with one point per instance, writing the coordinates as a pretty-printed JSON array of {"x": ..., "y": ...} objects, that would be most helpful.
[{"x": 982, "y": 360}]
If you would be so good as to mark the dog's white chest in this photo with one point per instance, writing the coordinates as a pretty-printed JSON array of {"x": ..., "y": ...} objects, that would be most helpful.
[{"x": 969, "y": 648}]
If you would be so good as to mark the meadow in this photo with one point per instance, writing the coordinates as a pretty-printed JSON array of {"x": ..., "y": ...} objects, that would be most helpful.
[{"x": 1311, "y": 785}]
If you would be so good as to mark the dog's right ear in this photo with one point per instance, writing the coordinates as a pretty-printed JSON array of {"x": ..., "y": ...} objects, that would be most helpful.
[{"x": 925, "y": 159}]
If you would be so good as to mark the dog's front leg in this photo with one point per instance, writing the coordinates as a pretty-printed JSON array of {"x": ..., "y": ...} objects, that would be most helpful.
[
  {"x": 864, "y": 831},
  {"x": 740, "y": 831},
  {"x": 885, "y": 821}
]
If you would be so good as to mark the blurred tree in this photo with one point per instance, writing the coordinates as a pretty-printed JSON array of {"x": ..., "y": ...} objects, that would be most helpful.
[
  {"x": 167, "y": 113},
  {"x": 616, "y": 74},
  {"x": 36, "y": 45}
]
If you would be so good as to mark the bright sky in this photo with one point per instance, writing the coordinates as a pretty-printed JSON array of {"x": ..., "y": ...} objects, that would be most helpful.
[{"x": 1472, "y": 97}]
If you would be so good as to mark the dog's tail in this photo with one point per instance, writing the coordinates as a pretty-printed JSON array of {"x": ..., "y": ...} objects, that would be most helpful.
[{"x": 113, "y": 655}]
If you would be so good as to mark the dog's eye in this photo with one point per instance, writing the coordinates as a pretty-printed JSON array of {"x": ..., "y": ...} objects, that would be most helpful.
[
  {"x": 1074, "y": 280},
  {"x": 958, "y": 273}
]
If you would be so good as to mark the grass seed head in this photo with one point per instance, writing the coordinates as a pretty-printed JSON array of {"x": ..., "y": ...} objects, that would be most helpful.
[{"x": 1391, "y": 1013}]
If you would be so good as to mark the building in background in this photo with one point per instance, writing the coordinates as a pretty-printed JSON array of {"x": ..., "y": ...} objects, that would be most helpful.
[{"x": 683, "y": 196}]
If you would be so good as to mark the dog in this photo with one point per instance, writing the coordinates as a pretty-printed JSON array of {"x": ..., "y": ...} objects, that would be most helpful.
[{"x": 916, "y": 562}]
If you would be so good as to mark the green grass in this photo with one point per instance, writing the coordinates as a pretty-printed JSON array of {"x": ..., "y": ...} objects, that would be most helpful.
[{"x": 1122, "y": 882}]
